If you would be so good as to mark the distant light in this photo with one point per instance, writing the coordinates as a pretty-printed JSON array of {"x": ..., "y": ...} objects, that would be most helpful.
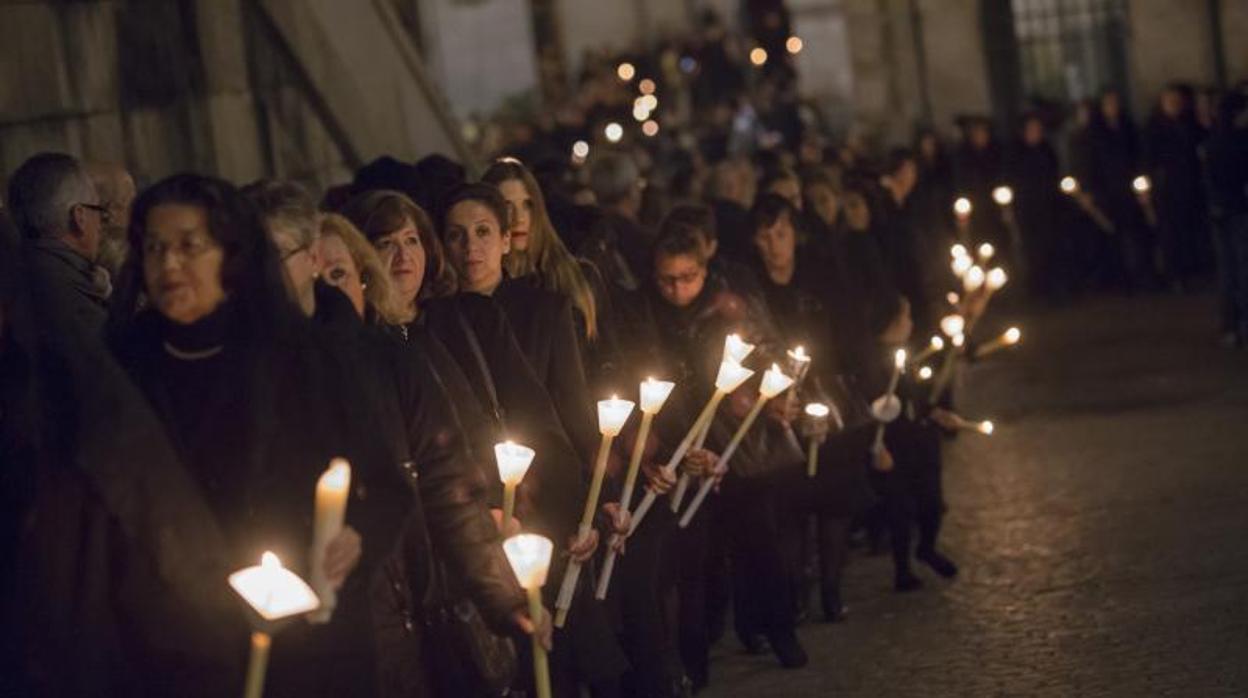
[
  {"x": 986, "y": 251},
  {"x": 1004, "y": 196},
  {"x": 958, "y": 250},
  {"x": 925, "y": 373},
  {"x": 794, "y": 45},
  {"x": 650, "y": 102},
  {"x": 1141, "y": 184},
  {"x": 650, "y": 128},
  {"x": 640, "y": 113},
  {"x": 580, "y": 150},
  {"x": 646, "y": 87},
  {"x": 953, "y": 298},
  {"x": 962, "y": 206},
  {"x": 626, "y": 71},
  {"x": 986, "y": 428},
  {"x": 1070, "y": 185},
  {"x": 614, "y": 132},
  {"x": 996, "y": 279},
  {"x": 1013, "y": 335},
  {"x": 758, "y": 56},
  {"x": 688, "y": 64}
]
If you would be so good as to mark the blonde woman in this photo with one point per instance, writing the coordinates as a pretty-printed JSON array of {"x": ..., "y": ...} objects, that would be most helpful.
[{"x": 349, "y": 262}]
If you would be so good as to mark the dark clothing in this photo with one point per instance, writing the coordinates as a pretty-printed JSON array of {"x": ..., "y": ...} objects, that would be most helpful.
[
  {"x": 1115, "y": 163},
  {"x": 114, "y": 566},
  {"x": 732, "y": 228},
  {"x": 1034, "y": 175},
  {"x": 257, "y": 421},
  {"x": 898, "y": 234},
  {"x": 1173, "y": 163},
  {"x": 977, "y": 172},
  {"x": 72, "y": 281},
  {"x": 542, "y": 322},
  {"x": 1226, "y": 166}
]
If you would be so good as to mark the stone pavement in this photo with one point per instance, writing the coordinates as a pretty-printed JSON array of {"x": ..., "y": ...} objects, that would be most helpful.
[{"x": 1102, "y": 532}]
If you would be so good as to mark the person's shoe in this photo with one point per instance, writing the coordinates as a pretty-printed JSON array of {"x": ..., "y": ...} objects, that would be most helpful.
[
  {"x": 906, "y": 581},
  {"x": 941, "y": 564},
  {"x": 754, "y": 644},
  {"x": 788, "y": 650}
]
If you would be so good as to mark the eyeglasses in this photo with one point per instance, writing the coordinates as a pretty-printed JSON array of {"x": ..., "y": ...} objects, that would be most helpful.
[
  {"x": 679, "y": 279},
  {"x": 185, "y": 249}
]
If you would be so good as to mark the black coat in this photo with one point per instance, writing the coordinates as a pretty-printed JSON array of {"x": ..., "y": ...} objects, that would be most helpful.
[{"x": 70, "y": 281}]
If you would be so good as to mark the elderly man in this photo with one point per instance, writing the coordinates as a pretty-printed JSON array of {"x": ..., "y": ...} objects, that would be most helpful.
[
  {"x": 61, "y": 220},
  {"x": 116, "y": 189}
]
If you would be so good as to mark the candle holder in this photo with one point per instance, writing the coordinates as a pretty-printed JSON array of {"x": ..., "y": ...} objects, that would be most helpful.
[
  {"x": 736, "y": 349},
  {"x": 612, "y": 414},
  {"x": 332, "y": 491},
  {"x": 274, "y": 595},
  {"x": 887, "y": 407},
  {"x": 774, "y": 383},
  {"x": 529, "y": 556},
  {"x": 816, "y": 420},
  {"x": 654, "y": 395},
  {"x": 513, "y": 463}
]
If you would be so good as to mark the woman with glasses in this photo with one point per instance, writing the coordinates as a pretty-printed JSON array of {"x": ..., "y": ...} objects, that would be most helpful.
[{"x": 251, "y": 401}]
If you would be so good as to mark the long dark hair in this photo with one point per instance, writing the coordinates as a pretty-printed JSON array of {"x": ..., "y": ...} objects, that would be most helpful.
[{"x": 251, "y": 273}]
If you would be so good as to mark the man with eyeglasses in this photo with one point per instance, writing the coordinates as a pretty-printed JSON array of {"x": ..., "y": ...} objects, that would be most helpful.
[{"x": 59, "y": 216}]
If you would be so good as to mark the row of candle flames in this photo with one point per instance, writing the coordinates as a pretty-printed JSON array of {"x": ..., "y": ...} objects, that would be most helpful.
[
  {"x": 1004, "y": 195},
  {"x": 276, "y": 594}
]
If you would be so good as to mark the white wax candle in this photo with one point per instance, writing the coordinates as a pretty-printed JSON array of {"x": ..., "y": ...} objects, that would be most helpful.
[{"x": 332, "y": 490}]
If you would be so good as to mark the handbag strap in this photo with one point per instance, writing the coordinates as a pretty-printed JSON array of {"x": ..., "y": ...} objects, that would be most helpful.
[{"x": 474, "y": 345}]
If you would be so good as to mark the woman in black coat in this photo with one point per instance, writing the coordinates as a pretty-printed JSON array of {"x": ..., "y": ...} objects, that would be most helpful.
[{"x": 251, "y": 402}]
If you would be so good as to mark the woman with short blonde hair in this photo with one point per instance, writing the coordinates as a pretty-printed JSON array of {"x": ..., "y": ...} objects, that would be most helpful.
[{"x": 350, "y": 263}]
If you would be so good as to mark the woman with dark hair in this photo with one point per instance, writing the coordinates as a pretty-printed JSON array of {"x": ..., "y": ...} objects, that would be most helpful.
[
  {"x": 475, "y": 232},
  {"x": 252, "y": 403}
]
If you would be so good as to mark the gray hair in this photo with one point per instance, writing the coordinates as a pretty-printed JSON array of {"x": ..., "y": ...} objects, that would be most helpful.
[
  {"x": 44, "y": 189},
  {"x": 286, "y": 205},
  {"x": 613, "y": 177}
]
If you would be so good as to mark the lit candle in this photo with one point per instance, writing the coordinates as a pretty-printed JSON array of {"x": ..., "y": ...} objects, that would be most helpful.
[
  {"x": 793, "y": 45},
  {"x": 958, "y": 250},
  {"x": 646, "y": 86},
  {"x": 731, "y": 376},
  {"x": 952, "y": 325},
  {"x": 758, "y": 56},
  {"x": 580, "y": 151},
  {"x": 986, "y": 251},
  {"x": 817, "y": 414},
  {"x": 529, "y": 556},
  {"x": 612, "y": 414},
  {"x": 654, "y": 395},
  {"x": 799, "y": 364},
  {"x": 1004, "y": 196},
  {"x": 736, "y": 349},
  {"x": 925, "y": 373},
  {"x": 332, "y": 490},
  {"x": 1069, "y": 185},
  {"x": 625, "y": 71},
  {"x": 961, "y": 265},
  {"x": 1008, "y": 338},
  {"x": 952, "y": 298},
  {"x": 962, "y": 208},
  {"x": 513, "y": 462},
  {"x": 899, "y": 364},
  {"x": 974, "y": 279},
  {"x": 614, "y": 132},
  {"x": 274, "y": 593},
  {"x": 1141, "y": 184},
  {"x": 996, "y": 279},
  {"x": 985, "y": 427},
  {"x": 774, "y": 382},
  {"x": 935, "y": 345}
]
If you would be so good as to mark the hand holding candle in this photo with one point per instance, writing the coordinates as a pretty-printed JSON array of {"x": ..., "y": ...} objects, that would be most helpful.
[
  {"x": 730, "y": 377},
  {"x": 332, "y": 490},
  {"x": 274, "y": 593},
  {"x": 513, "y": 463},
  {"x": 529, "y": 556},
  {"x": 612, "y": 414},
  {"x": 774, "y": 383},
  {"x": 899, "y": 364},
  {"x": 654, "y": 395}
]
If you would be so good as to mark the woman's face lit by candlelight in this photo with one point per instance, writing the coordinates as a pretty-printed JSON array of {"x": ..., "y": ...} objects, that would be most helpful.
[
  {"x": 404, "y": 255},
  {"x": 475, "y": 244},
  {"x": 182, "y": 263}
]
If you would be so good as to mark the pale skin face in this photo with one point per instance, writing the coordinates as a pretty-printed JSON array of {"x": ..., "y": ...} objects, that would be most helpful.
[
  {"x": 475, "y": 244},
  {"x": 301, "y": 262},
  {"x": 182, "y": 263},
  {"x": 404, "y": 256},
  {"x": 338, "y": 269},
  {"x": 519, "y": 211},
  {"x": 776, "y": 246},
  {"x": 680, "y": 278}
]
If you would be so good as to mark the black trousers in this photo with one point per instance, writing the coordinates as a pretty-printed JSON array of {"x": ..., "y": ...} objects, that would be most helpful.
[{"x": 912, "y": 492}]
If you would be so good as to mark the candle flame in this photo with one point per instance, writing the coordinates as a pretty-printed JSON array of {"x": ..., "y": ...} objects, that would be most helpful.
[
  {"x": 758, "y": 56},
  {"x": 580, "y": 150},
  {"x": 986, "y": 251},
  {"x": 986, "y": 428},
  {"x": 799, "y": 353},
  {"x": 962, "y": 265},
  {"x": 774, "y": 382},
  {"x": 626, "y": 71},
  {"x": 974, "y": 279},
  {"x": 899, "y": 359},
  {"x": 273, "y": 591},
  {"x": 793, "y": 45},
  {"x": 529, "y": 557},
  {"x": 1141, "y": 184},
  {"x": 1004, "y": 196},
  {"x": 818, "y": 410},
  {"x": 646, "y": 86},
  {"x": 925, "y": 373},
  {"x": 337, "y": 476},
  {"x": 959, "y": 340},
  {"x": 1070, "y": 185},
  {"x": 937, "y": 343},
  {"x": 650, "y": 128},
  {"x": 270, "y": 561},
  {"x": 614, "y": 132},
  {"x": 962, "y": 206},
  {"x": 953, "y": 298},
  {"x": 996, "y": 279},
  {"x": 1013, "y": 335},
  {"x": 958, "y": 250},
  {"x": 952, "y": 325}
]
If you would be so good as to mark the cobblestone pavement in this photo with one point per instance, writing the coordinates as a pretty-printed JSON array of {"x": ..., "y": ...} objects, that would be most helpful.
[{"x": 1102, "y": 532}]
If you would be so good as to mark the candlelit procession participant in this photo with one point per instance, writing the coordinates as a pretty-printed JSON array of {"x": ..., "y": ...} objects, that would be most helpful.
[{"x": 247, "y": 395}]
